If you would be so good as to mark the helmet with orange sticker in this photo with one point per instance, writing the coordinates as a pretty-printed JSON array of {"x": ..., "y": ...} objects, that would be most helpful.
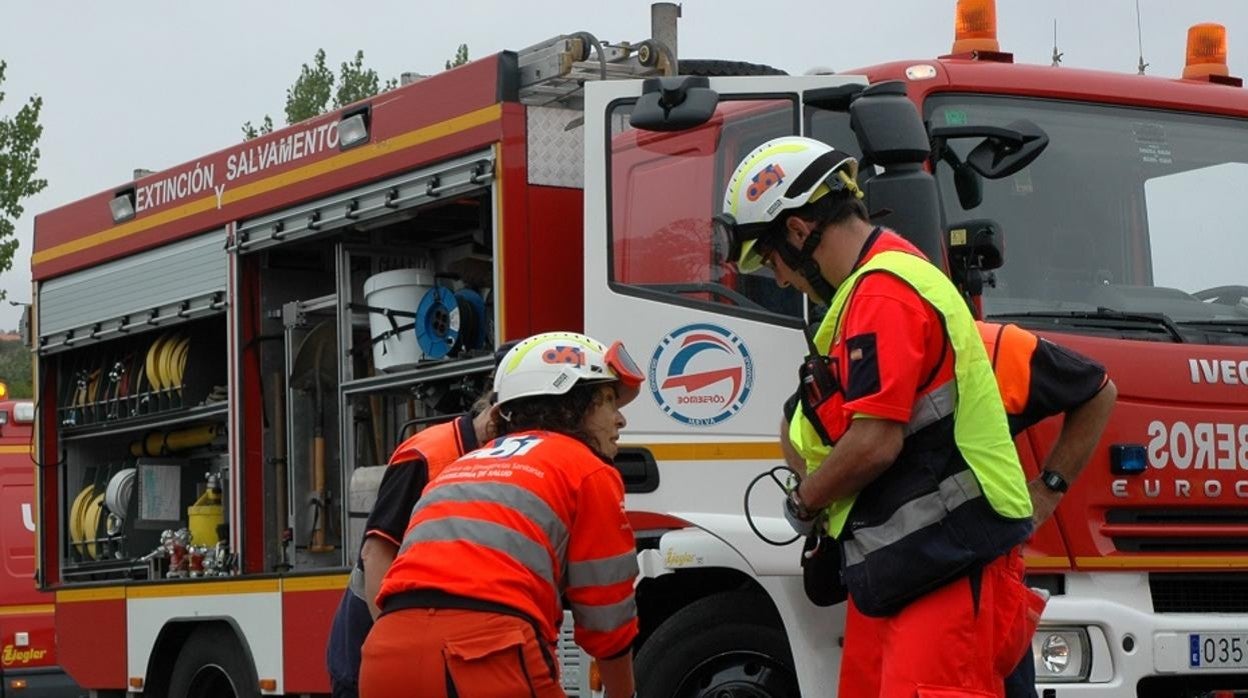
[
  {"x": 552, "y": 363},
  {"x": 782, "y": 174}
]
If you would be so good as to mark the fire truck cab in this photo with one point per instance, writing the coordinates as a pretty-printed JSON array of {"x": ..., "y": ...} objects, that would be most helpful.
[{"x": 27, "y": 634}]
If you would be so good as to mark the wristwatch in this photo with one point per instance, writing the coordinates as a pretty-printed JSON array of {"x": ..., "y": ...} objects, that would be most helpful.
[{"x": 1054, "y": 481}]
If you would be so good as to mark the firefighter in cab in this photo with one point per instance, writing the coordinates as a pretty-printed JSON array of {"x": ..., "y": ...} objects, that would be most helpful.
[
  {"x": 472, "y": 604},
  {"x": 923, "y": 490}
]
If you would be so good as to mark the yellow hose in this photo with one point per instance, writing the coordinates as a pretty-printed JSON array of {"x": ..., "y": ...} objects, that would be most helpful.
[{"x": 160, "y": 443}]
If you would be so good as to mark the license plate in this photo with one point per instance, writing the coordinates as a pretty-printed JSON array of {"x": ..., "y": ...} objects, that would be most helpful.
[{"x": 1217, "y": 650}]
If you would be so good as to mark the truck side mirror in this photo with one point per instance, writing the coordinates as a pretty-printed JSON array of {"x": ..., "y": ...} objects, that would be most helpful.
[
  {"x": 1004, "y": 150},
  {"x": 674, "y": 103},
  {"x": 996, "y": 158},
  {"x": 966, "y": 181}
]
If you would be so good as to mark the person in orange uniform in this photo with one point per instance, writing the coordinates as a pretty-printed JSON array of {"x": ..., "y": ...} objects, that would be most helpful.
[
  {"x": 901, "y": 430},
  {"x": 417, "y": 460},
  {"x": 472, "y": 604},
  {"x": 1039, "y": 379}
]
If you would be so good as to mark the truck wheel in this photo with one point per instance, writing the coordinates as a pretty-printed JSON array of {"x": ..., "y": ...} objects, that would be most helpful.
[
  {"x": 213, "y": 665},
  {"x": 726, "y": 645},
  {"x": 713, "y": 68}
]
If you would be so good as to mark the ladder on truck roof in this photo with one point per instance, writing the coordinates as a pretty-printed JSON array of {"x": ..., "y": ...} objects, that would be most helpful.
[{"x": 552, "y": 72}]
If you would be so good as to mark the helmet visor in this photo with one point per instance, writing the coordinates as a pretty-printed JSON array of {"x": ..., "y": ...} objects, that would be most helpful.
[
  {"x": 625, "y": 368},
  {"x": 742, "y": 240}
]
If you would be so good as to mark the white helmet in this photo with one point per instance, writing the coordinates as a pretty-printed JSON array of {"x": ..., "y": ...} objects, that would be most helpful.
[
  {"x": 552, "y": 363},
  {"x": 783, "y": 173}
]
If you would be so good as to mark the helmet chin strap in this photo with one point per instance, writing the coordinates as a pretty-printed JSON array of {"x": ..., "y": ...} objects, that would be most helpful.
[{"x": 803, "y": 262}]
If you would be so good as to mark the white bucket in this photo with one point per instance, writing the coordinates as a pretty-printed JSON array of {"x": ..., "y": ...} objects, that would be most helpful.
[{"x": 401, "y": 290}]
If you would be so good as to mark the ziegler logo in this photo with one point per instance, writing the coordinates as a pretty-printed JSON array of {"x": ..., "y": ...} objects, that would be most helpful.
[
  {"x": 701, "y": 374},
  {"x": 26, "y": 655}
]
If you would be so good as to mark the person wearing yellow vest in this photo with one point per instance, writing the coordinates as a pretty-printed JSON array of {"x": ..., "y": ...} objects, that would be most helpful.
[{"x": 910, "y": 462}]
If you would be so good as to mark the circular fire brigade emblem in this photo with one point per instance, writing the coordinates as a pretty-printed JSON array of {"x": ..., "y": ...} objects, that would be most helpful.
[{"x": 701, "y": 374}]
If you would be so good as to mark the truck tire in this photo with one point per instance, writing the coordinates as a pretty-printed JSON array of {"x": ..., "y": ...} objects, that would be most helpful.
[
  {"x": 714, "y": 68},
  {"x": 728, "y": 644},
  {"x": 213, "y": 665}
]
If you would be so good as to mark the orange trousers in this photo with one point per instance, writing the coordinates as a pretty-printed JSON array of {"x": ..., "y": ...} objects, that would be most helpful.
[
  {"x": 943, "y": 644},
  {"x": 450, "y": 653}
]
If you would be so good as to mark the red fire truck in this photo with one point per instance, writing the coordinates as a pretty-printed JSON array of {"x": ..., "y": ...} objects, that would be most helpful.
[
  {"x": 27, "y": 637},
  {"x": 228, "y": 348}
]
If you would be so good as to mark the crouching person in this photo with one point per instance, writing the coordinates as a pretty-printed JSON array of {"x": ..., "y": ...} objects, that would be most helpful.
[{"x": 472, "y": 604}]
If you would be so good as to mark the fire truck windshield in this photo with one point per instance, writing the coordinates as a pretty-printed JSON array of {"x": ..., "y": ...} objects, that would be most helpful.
[{"x": 1129, "y": 213}]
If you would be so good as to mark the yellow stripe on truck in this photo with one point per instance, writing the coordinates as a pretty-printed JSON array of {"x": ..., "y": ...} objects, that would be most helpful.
[
  {"x": 41, "y": 609},
  {"x": 93, "y": 594},
  {"x": 737, "y": 450},
  {"x": 251, "y": 586},
  {"x": 413, "y": 138},
  {"x": 1153, "y": 562},
  {"x": 336, "y": 582}
]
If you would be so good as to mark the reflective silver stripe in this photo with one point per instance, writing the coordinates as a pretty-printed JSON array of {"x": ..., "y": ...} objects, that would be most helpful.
[
  {"x": 356, "y": 583},
  {"x": 533, "y": 507},
  {"x": 603, "y": 571},
  {"x": 604, "y": 618},
  {"x": 914, "y": 515},
  {"x": 510, "y": 542},
  {"x": 933, "y": 407}
]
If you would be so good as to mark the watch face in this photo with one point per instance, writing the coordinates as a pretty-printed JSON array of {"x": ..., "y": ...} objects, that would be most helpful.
[{"x": 1053, "y": 481}]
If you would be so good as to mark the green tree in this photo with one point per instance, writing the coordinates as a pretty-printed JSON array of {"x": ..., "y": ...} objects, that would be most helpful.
[
  {"x": 355, "y": 82},
  {"x": 19, "y": 163},
  {"x": 15, "y": 369},
  {"x": 309, "y": 95},
  {"x": 461, "y": 57},
  {"x": 250, "y": 132},
  {"x": 313, "y": 93}
]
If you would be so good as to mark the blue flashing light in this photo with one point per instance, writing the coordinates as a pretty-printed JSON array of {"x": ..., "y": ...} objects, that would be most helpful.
[{"x": 1128, "y": 459}]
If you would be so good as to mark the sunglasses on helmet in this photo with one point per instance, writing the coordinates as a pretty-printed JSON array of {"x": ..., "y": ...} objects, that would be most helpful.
[{"x": 725, "y": 227}]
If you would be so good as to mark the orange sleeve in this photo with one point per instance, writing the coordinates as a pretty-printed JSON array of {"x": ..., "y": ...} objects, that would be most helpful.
[
  {"x": 1011, "y": 362},
  {"x": 602, "y": 567}
]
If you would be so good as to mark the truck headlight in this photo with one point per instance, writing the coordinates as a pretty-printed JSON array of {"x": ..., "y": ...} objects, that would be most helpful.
[{"x": 1061, "y": 654}]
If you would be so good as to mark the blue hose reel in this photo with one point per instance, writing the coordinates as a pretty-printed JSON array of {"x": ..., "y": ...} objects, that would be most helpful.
[{"x": 437, "y": 322}]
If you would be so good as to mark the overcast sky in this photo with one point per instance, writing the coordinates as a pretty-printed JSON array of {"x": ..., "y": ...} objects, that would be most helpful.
[{"x": 155, "y": 83}]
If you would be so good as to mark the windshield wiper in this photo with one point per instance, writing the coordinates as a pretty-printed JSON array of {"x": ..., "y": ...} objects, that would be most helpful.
[
  {"x": 1225, "y": 326},
  {"x": 1101, "y": 317}
]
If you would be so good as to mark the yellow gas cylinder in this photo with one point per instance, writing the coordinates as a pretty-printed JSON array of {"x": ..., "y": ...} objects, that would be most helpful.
[{"x": 205, "y": 515}]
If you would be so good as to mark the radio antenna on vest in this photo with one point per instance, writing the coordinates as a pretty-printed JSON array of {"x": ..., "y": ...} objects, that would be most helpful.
[{"x": 1139, "y": 37}]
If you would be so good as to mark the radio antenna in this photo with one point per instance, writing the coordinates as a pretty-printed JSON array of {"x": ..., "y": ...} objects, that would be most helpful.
[
  {"x": 1057, "y": 57},
  {"x": 1139, "y": 36}
]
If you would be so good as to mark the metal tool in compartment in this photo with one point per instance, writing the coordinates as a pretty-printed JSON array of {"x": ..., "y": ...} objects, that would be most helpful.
[{"x": 315, "y": 370}]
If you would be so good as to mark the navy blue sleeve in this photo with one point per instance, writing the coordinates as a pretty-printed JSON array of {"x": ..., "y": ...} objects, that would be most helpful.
[
  {"x": 399, "y": 490},
  {"x": 1061, "y": 380}
]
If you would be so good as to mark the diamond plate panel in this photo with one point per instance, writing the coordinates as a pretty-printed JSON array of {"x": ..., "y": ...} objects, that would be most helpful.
[{"x": 556, "y": 153}]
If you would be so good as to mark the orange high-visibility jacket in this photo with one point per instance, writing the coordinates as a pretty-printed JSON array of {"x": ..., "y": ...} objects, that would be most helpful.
[
  {"x": 528, "y": 519},
  {"x": 438, "y": 445},
  {"x": 414, "y": 463}
]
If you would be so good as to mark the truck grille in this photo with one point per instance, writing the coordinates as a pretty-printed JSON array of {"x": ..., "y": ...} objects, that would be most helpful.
[
  {"x": 1177, "y": 530},
  {"x": 1199, "y": 592}
]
